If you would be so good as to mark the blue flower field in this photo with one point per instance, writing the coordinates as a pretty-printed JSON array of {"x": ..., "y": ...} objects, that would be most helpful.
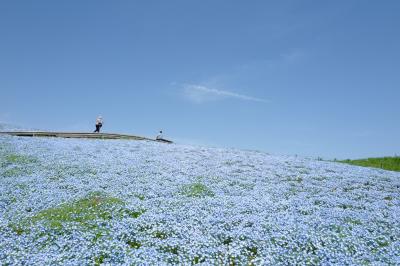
[{"x": 118, "y": 202}]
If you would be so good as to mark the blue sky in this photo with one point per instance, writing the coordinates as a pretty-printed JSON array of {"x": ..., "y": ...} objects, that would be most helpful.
[{"x": 317, "y": 78}]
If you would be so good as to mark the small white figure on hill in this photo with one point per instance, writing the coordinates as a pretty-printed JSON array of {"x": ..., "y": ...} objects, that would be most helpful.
[
  {"x": 160, "y": 135},
  {"x": 99, "y": 124}
]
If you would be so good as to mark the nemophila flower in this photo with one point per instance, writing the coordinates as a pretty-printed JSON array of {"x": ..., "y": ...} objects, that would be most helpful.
[{"x": 80, "y": 202}]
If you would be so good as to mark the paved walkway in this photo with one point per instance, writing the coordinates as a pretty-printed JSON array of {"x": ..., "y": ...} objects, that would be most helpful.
[{"x": 75, "y": 135}]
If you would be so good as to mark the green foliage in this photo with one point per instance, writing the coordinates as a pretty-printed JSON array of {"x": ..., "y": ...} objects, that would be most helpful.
[
  {"x": 252, "y": 252},
  {"x": 160, "y": 235},
  {"x": 8, "y": 158},
  {"x": 14, "y": 158},
  {"x": 386, "y": 163},
  {"x": 84, "y": 212},
  {"x": 382, "y": 242},
  {"x": 13, "y": 164},
  {"x": 170, "y": 249},
  {"x": 133, "y": 214},
  {"x": 140, "y": 196},
  {"x": 99, "y": 260},
  {"x": 17, "y": 229},
  {"x": 94, "y": 207},
  {"x": 318, "y": 202},
  {"x": 16, "y": 171},
  {"x": 196, "y": 189},
  {"x": 134, "y": 244},
  {"x": 198, "y": 259}
]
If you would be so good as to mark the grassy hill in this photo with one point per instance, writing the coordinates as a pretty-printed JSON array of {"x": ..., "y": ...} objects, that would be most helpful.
[
  {"x": 386, "y": 163},
  {"x": 119, "y": 202}
]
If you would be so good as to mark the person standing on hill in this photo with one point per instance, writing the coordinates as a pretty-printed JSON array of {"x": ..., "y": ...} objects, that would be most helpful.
[
  {"x": 159, "y": 136},
  {"x": 99, "y": 124}
]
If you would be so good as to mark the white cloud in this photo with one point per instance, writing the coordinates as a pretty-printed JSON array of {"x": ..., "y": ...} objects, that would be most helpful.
[{"x": 201, "y": 94}]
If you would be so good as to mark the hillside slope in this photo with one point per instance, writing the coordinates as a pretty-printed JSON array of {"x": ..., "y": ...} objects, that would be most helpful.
[{"x": 79, "y": 202}]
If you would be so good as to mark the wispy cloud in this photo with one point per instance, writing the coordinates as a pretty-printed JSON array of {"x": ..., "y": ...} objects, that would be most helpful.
[{"x": 201, "y": 94}]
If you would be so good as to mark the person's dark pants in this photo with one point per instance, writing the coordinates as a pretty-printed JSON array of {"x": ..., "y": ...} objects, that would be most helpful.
[{"x": 98, "y": 126}]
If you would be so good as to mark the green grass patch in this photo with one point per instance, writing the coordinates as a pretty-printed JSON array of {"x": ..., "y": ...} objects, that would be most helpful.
[
  {"x": 170, "y": 249},
  {"x": 20, "y": 159},
  {"x": 99, "y": 260},
  {"x": 8, "y": 158},
  {"x": 140, "y": 196},
  {"x": 16, "y": 171},
  {"x": 196, "y": 189},
  {"x": 198, "y": 259},
  {"x": 160, "y": 235},
  {"x": 386, "y": 163},
  {"x": 85, "y": 212},
  {"x": 13, "y": 164},
  {"x": 134, "y": 214},
  {"x": 382, "y": 242},
  {"x": 94, "y": 207},
  {"x": 134, "y": 244}
]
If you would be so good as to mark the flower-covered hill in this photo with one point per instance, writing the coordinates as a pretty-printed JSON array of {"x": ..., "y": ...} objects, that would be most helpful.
[{"x": 85, "y": 202}]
